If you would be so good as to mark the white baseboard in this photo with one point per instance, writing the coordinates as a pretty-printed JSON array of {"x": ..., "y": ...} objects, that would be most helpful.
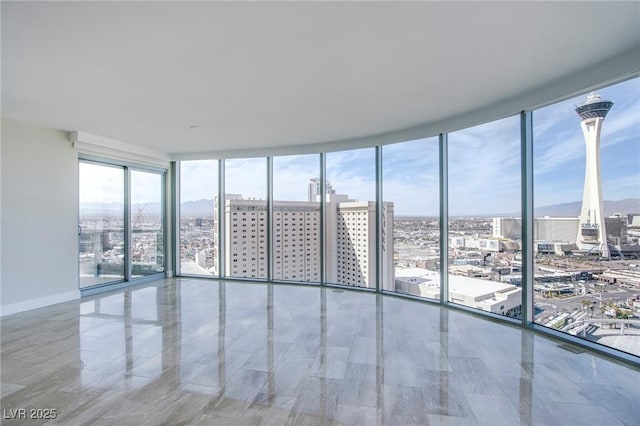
[{"x": 40, "y": 302}]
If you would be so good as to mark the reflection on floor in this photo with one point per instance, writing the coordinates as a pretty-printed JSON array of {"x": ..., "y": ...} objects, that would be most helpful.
[
  {"x": 202, "y": 352},
  {"x": 91, "y": 280}
]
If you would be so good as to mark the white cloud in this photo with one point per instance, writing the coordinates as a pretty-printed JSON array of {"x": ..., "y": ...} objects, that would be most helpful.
[
  {"x": 198, "y": 180},
  {"x": 100, "y": 183},
  {"x": 411, "y": 177},
  {"x": 291, "y": 175},
  {"x": 246, "y": 176},
  {"x": 353, "y": 173},
  {"x": 484, "y": 168},
  {"x": 621, "y": 187},
  {"x": 146, "y": 187}
]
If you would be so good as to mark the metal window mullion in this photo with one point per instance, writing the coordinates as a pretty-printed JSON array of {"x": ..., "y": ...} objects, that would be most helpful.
[
  {"x": 378, "y": 235},
  {"x": 164, "y": 218},
  {"x": 444, "y": 217},
  {"x": 221, "y": 219},
  {"x": 127, "y": 224},
  {"x": 323, "y": 206},
  {"x": 526, "y": 155},
  {"x": 269, "y": 242},
  {"x": 173, "y": 246}
]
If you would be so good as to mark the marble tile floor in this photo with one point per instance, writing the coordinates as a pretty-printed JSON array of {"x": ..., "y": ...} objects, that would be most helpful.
[{"x": 190, "y": 351}]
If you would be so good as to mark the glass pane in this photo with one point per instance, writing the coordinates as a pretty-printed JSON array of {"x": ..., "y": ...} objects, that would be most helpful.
[
  {"x": 484, "y": 215},
  {"x": 411, "y": 183},
  {"x": 245, "y": 209},
  {"x": 296, "y": 218},
  {"x": 101, "y": 217},
  {"x": 351, "y": 218},
  {"x": 147, "y": 235},
  {"x": 587, "y": 216},
  {"x": 198, "y": 217}
]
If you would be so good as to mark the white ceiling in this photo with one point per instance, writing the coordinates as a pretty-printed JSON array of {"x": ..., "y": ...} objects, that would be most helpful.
[{"x": 256, "y": 75}]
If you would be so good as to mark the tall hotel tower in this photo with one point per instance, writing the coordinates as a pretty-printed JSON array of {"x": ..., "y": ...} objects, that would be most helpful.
[
  {"x": 350, "y": 239},
  {"x": 592, "y": 236}
]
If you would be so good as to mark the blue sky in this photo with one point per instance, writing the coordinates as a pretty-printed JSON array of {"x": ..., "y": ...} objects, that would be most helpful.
[
  {"x": 484, "y": 169},
  {"x": 484, "y": 164}
]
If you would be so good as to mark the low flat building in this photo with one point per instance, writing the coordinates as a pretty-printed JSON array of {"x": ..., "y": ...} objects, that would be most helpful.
[{"x": 489, "y": 296}]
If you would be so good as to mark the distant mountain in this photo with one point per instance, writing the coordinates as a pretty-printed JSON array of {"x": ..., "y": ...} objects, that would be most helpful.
[
  {"x": 115, "y": 210},
  {"x": 192, "y": 209},
  {"x": 189, "y": 209},
  {"x": 204, "y": 209},
  {"x": 629, "y": 205},
  {"x": 146, "y": 209}
]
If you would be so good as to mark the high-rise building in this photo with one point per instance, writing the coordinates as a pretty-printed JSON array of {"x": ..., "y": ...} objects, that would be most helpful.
[
  {"x": 561, "y": 229},
  {"x": 296, "y": 241},
  {"x": 350, "y": 241},
  {"x": 315, "y": 189},
  {"x": 245, "y": 240},
  {"x": 507, "y": 227},
  {"x": 592, "y": 235},
  {"x": 616, "y": 227},
  {"x": 351, "y": 246}
]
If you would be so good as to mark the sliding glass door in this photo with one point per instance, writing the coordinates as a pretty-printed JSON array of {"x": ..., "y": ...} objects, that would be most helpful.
[
  {"x": 147, "y": 236},
  {"x": 121, "y": 231},
  {"x": 101, "y": 227}
]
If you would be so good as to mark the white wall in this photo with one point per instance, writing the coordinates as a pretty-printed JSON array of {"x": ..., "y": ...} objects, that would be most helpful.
[{"x": 39, "y": 217}]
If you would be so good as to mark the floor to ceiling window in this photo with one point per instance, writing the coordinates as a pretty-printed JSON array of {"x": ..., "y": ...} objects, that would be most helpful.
[
  {"x": 296, "y": 218},
  {"x": 410, "y": 182},
  {"x": 198, "y": 218},
  {"x": 121, "y": 223},
  {"x": 147, "y": 218},
  {"x": 587, "y": 216},
  {"x": 484, "y": 217},
  {"x": 350, "y": 218},
  {"x": 245, "y": 218},
  {"x": 586, "y": 219},
  {"x": 101, "y": 228}
]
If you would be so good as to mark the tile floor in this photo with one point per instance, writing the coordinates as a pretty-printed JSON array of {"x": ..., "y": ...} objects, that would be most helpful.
[{"x": 189, "y": 351}]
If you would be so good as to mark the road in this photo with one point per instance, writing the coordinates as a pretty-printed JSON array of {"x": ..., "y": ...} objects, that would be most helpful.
[{"x": 556, "y": 305}]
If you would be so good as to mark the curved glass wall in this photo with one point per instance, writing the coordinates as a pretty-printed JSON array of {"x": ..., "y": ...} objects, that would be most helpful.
[
  {"x": 587, "y": 217},
  {"x": 592, "y": 292}
]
